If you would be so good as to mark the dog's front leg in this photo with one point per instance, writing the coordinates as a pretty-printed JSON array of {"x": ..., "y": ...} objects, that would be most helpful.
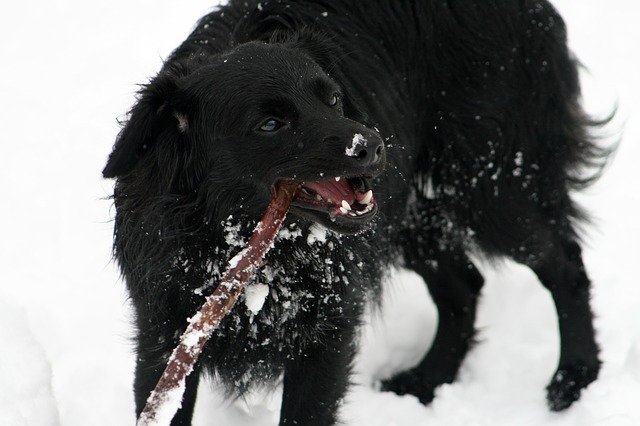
[{"x": 316, "y": 380}]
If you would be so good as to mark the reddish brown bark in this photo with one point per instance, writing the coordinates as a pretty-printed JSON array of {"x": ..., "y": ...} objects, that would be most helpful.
[{"x": 216, "y": 307}]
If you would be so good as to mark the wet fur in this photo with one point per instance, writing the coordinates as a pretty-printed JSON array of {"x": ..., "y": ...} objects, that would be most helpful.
[{"x": 478, "y": 102}]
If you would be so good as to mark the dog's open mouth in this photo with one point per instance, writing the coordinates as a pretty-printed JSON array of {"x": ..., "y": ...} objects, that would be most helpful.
[{"x": 347, "y": 202}]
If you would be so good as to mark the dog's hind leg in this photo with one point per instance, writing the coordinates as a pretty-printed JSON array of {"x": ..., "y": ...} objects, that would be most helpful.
[
  {"x": 454, "y": 284},
  {"x": 151, "y": 362},
  {"x": 546, "y": 242},
  {"x": 562, "y": 272}
]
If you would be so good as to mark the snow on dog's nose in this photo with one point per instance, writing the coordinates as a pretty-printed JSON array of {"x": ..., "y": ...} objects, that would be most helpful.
[{"x": 369, "y": 151}]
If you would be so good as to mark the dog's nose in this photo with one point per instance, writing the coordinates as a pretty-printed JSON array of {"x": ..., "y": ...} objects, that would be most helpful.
[{"x": 368, "y": 149}]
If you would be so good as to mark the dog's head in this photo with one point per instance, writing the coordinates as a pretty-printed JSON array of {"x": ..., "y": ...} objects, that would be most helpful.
[{"x": 233, "y": 125}]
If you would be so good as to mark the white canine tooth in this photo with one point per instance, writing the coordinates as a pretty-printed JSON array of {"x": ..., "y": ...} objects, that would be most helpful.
[
  {"x": 318, "y": 197},
  {"x": 337, "y": 178},
  {"x": 343, "y": 210},
  {"x": 346, "y": 205},
  {"x": 367, "y": 197}
]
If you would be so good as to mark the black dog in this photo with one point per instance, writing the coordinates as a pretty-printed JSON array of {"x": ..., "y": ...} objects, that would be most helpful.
[{"x": 422, "y": 130}]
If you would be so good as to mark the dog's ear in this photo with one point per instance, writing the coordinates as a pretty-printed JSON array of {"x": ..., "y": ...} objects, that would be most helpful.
[{"x": 156, "y": 117}]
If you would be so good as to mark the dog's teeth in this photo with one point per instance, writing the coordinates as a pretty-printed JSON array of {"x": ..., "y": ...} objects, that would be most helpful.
[
  {"x": 318, "y": 197},
  {"x": 366, "y": 209},
  {"x": 337, "y": 178},
  {"x": 346, "y": 205},
  {"x": 343, "y": 210},
  {"x": 367, "y": 197},
  {"x": 352, "y": 213}
]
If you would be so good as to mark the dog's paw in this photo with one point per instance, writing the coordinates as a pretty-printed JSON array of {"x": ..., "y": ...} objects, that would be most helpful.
[
  {"x": 567, "y": 383},
  {"x": 410, "y": 383}
]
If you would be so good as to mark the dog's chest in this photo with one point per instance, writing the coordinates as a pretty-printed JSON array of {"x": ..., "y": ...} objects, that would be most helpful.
[
  {"x": 307, "y": 280},
  {"x": 310, "y": 283}
]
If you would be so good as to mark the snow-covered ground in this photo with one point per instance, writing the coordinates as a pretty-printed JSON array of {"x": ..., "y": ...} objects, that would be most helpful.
[{"x": 69, "y": 68}]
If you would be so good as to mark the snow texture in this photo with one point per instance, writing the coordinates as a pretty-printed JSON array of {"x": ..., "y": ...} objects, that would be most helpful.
[
  {"x": 170, "y": 403},
  {"x": 317, "y": 233},
  {"x": 26, "y": 396},
  {"x": 254, "y": 296},
  {"x": 357, "y": 140},
  {"x": 65, "y": 327},
  {"x": 235, "y": 259}
]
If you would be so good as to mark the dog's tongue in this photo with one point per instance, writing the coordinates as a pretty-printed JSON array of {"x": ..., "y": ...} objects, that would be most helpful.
[{"x": 334, "y": 190}]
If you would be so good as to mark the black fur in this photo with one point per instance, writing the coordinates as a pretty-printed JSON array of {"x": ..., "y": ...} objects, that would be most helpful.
[{"x": 478, "y": 104}]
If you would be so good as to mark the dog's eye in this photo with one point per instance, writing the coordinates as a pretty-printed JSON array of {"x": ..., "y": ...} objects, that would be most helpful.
[
  {"x": 333, "y": 101},
  {"x": 270, "y": 125}
]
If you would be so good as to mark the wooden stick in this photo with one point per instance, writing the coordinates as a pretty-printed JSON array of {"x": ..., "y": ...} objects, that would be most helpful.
[{"x": 166, "y": 398}]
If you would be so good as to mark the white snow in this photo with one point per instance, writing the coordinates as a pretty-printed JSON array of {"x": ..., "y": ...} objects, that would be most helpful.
[
  {"x": 26, "y": 395},
  {"x": 254, "y": 296},
  {"x": 357, "y": 140},
  {"x": 233, "y": 262},
  {"x": 290, "y": 233},
  {"x": 232, "y": 233},
  {"x": 317, "y": 233},
  {"x": 191, "y": 339},
  {"x": 170, "y": 403},
  {"x": 66, "y": 355}
]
